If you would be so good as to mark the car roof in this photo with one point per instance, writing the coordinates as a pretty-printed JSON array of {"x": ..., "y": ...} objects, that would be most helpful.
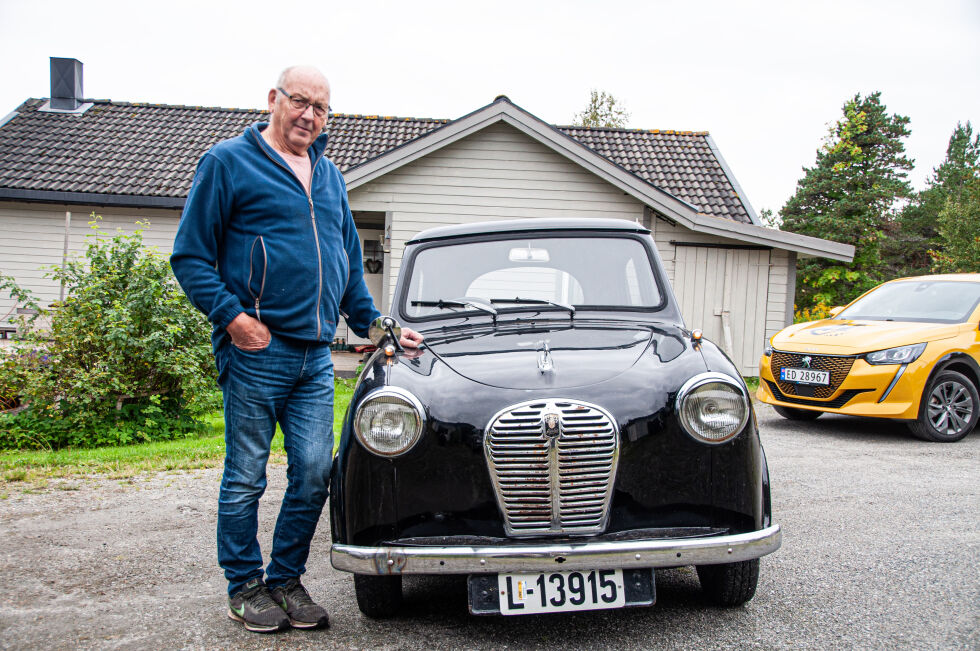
[
  {"x": 964, "y": 277},
  {"x": 525, "y": 225}
]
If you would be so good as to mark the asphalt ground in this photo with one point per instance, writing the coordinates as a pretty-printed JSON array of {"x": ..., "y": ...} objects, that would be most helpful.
[{"x": 881, "y": 550}]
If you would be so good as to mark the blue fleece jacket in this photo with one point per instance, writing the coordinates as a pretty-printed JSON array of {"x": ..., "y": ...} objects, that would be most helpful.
[{"x": 252, "y": 240}]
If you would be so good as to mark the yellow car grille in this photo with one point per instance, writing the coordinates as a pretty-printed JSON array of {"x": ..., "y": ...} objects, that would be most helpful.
[{"x": 838, "y": 367}]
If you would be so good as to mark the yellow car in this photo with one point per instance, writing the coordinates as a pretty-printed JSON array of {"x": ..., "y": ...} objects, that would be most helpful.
[{"x": 908, "y": 349}]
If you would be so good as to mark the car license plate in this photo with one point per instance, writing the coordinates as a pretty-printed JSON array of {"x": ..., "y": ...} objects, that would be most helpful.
[
  {"x": 550, "y": 592},
  {"x": 805, "y": 376}
]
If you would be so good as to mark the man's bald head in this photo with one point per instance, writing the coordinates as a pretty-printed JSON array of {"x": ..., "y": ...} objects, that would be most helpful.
[{"x": 309, "y": 73}]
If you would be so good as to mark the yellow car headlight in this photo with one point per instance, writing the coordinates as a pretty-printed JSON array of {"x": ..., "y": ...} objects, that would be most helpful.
[{"x": 898, "y": 355}]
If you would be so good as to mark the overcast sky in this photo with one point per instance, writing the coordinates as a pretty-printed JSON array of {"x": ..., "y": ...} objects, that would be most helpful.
[{"x": 764, "y": 77}]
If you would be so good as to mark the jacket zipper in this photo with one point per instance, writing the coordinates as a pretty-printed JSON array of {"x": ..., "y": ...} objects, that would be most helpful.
[
  {"x": 319, "y": 261},
  {"x": 265, "y": 266}
]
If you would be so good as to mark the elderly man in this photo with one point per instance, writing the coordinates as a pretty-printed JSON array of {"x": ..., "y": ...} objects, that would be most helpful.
[{"x": 267, "y": 249}]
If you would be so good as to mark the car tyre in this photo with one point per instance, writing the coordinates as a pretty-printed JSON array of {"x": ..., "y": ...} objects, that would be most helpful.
[
  {"x": 791, "y": 413},
  {"x": 729, "y": 584},
  {"x": 378, "y": 597},
  {"x": 949, "y": 410}
]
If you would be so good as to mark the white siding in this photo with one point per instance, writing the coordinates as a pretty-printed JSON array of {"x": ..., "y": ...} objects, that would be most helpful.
[
  {"x": 33, "y": 236},
  {"x": 497, "y": 173},
  {"x": 781, "y": 265}
]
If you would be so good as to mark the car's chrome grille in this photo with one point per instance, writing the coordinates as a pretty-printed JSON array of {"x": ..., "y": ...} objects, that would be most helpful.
[
  {"x": 837, "y": 366},
  {"x": 553, "y": 464}
]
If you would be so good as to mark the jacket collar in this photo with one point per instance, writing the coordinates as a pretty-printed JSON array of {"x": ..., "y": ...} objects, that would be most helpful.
[{"x": 316, "y": 150}]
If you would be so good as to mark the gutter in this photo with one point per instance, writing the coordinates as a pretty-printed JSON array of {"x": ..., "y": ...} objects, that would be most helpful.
[{"x": 91, "y": 199}]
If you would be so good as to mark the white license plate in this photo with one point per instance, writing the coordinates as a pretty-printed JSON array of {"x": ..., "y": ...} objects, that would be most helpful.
[
  {"x": 552, "y": 592},
  {"x": 805, "y": 376}
]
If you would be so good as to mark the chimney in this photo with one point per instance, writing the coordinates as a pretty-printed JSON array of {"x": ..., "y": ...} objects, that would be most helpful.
[{"x": 66, "y": 84}]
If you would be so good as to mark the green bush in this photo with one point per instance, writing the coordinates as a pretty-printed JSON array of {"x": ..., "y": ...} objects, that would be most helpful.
[{"x": 124, "y": 359}]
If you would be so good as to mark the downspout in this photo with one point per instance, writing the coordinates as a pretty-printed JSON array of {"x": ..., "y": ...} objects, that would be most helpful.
[{"x": 64, "y": 255}]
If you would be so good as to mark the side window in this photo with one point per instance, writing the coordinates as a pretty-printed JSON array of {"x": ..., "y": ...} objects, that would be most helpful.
[{"x": 543, "y": 283}]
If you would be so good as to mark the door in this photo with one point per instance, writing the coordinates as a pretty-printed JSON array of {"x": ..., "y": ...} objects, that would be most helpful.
[{"x": 724, "y": 292}]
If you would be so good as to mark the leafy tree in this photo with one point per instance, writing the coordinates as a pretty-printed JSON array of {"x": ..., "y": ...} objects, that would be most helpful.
[
  {"x": 603, "y": 110},
  {"x": 959, "y": 230},
  {"x": 126, "y": 358},
  {"x": 914, "y": 232},
  {"x": 770, "y": 220},
  {"x": 848, "y": 196}
]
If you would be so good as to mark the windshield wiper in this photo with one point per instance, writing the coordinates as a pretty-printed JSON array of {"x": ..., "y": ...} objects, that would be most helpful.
[
  {"x": 458, "y": 302},
  {"x": 517, "y": 300}
]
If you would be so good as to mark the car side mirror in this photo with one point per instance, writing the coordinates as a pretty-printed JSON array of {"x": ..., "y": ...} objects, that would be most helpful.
[
  {"x": 384, "y": 331},
  {"x": 834, "y": 311}
]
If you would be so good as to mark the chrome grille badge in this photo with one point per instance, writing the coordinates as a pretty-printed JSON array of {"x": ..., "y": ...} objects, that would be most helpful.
[{"x": 553, "y": 465}]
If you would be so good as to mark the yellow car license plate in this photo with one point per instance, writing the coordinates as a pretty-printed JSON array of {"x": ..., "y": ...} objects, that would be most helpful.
[{"x": 804, "y": 376}]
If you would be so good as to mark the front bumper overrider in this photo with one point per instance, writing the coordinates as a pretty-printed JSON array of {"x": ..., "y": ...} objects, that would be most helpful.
[{"x": 460, "y": 559}]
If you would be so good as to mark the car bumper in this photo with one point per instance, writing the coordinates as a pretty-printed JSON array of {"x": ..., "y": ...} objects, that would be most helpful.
[
  {"x": 886, "y": 391},
  {"x": 565, "y": 556}
]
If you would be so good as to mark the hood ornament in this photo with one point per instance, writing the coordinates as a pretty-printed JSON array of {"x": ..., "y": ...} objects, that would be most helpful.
[{"x": 545, "y": 363}]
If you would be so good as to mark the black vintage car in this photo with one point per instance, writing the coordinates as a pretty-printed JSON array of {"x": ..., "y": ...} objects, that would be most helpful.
[{"x": 559, "y": 434}]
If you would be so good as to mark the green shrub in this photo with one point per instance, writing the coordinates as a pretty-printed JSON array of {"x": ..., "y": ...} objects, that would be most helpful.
[{"x": 125, "y": 358}]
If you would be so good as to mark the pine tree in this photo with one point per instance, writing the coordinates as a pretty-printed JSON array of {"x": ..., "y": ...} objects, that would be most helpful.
[
  {"x": 914, "y": 232},
  {"x": 847, "y": 196},
  {"x": 958, "y": 227}
]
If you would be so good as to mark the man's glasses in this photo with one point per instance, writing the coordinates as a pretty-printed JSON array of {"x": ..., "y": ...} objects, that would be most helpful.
[{"x": 300, "y": 104}]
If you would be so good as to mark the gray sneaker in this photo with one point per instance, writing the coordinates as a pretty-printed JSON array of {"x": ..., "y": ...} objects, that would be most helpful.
[
  {"x": 303, "y": 612},
  {"x": 254, "y": 607}
]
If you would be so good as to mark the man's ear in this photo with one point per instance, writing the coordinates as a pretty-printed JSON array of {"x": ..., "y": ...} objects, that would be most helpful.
[{"x": 272, "y": 98}]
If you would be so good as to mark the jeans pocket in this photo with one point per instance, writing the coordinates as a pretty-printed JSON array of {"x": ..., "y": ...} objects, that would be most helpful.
[{"x": 257, "y": 351}]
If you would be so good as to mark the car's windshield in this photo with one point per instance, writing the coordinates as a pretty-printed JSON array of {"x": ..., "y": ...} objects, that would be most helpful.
[
  {"x": 931, "y": 301},
  {"x": 532, "y": 274}
]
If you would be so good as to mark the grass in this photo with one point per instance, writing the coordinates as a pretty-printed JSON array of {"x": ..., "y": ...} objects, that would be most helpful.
[{"x": 33, "y": 468}]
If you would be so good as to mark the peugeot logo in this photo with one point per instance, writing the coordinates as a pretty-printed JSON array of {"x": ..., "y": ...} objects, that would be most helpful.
[
  {"x": 551, "y": 425},
  {"x": 806, "y": 361}
]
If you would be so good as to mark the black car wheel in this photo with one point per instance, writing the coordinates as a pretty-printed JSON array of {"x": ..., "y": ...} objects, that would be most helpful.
[
  {"x": 378, "y": 597},
  {"x": 729, "y": 584},
  {"x": 949, "y": 409},
  {"x": 797, "y": 414}
]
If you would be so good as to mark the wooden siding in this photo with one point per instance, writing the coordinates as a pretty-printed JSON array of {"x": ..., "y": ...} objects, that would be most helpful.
[
  {"x": 749, "y": 284},
  {"x": 497, "y": 173},
  {"x": 34, "y": 237}
]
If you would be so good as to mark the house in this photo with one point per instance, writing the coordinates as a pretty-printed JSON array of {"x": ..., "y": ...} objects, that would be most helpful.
[{"x": 65, "y": 158}]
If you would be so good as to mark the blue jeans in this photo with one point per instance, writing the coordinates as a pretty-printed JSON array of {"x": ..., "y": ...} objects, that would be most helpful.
[{"x": 289, "y": 382}]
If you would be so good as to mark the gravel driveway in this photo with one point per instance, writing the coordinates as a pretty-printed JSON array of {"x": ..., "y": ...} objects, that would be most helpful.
[{"x": 881, "y": 549}]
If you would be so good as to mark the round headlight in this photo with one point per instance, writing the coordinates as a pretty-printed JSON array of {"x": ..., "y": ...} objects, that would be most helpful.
[
  {"x": 712, "y": 407},
  {"x": 389, "y": 421}
]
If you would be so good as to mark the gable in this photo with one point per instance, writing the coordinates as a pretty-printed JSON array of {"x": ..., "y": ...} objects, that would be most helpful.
[{"x": 496, "y": 172}]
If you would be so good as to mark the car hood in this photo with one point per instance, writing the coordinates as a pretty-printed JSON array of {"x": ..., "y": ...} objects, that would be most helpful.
[
  {"x": 845, "y": 337},
  {"x": 553, "y": 357}
]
